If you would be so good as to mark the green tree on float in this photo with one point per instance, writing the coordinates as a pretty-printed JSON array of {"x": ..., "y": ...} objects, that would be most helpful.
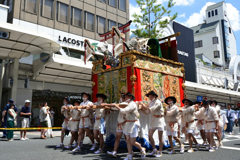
[{"x": 151, "y": 28}]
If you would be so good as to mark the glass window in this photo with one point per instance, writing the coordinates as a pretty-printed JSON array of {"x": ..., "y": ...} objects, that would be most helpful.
[
  {"x": 216, "y": 54},
  {"x": 102, "y": 1},
  {"x": 212, "y": 13},
  {"x": 198, "y": 44},
  {"x": 31, "y": 6},
  {"x": 62, "y": 12},
  {"x": 230, "y": 31},
  {"x": 226, "y": 30},
  {"x": 228, "y": 50},
  {"x": 215, "y": 40},
  {"x": 10, "y": 3},
  {"x": 216, "y": 12},
  {"x": 226, "y": 36},
  {"x": 89, "y": 21},
  {"x": 112, "y": 3},
  {"x": 209, "y": 14},
  {"x": 111, "y": 24},
  {"x": 47, "y": 8},
  {"x": 227, "y": 43},
  {"x": 101, "y": 26},
  {"x": 76, "y": 17},
  {"x": 122, "y": 5},
  {"x": 119, "y": 25}
]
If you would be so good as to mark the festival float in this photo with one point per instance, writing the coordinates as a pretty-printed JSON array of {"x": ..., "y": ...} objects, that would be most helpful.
[{"x": 137, "y": 66}]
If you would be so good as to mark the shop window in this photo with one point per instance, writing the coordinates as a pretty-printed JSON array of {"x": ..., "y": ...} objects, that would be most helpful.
[
  {"x": 101, "y": 24},
  {"x": 209, "y": 14},
  {"x": 212, "y": 13},
  {"x": 122, "y": 4},
  {"x": 216, "y": 54},
  {"x": 62, "y": 12},
  {"x": 76, "y": 17},
  {"x": 47, "y": 8},
  {"x": 215, "y": 40},
  {"x": 198, "y": 44},
  {"x": 216, "y": 12},
  {"x": 31, "y": 6},
  {"x": 112, "y": 3},
  {"x": 111, "y": 24},
  {"x": 89, "y": 21}
]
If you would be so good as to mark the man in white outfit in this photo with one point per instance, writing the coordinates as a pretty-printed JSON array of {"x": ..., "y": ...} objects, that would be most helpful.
[
  {"x": 65, "y": 111},
  {"x": 171, "y": 117},
  {"x": 156, "y": 113},
  {"x": 189, "y": 118},
  {"x": 131, "y": 126}
]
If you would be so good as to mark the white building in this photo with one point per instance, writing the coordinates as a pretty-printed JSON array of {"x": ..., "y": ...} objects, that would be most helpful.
[{"x": 215, "y": 38}]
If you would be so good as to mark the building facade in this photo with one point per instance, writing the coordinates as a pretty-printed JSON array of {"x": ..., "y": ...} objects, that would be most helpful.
[
  {"x": 54, "y": 73},
  {"x": 215, "y": 38}
]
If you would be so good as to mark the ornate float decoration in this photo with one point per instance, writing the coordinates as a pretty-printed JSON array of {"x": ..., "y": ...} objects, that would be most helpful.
[{"x": 137, "y": 66}]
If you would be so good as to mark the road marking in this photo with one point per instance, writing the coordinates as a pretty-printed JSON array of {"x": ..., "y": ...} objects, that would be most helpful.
[{"x": 232, "y": 148}]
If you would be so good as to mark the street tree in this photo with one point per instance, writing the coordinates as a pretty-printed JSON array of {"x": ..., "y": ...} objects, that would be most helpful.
[{"x": 152, "y": 28}]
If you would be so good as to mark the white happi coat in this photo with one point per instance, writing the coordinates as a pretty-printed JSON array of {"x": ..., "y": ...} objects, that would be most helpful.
[
  {"x": 156, "y": 109},
  {"x": 132, "y": 115},
  {"x": 189, "y": 116}
]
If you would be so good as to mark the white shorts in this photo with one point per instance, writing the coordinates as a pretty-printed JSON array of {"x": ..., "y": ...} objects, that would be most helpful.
[
  {"x": 211, "y": 130},
  {"x": 174, "y": 133},
  {"x": 67, "y": 128},
  {"x": 200, "y": 127},
  {"x": 25, "y": 123},
  {"x": 80, "y": 126},
  {"x": 159, "y": 128},
  {"x": 134, "y": 132},
  {"x": 190, "y": 131},
  {"x": 119, "y": 130}
]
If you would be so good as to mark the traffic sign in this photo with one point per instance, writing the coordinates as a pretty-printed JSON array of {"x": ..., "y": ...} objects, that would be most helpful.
[{"x": 199, "y": 98}]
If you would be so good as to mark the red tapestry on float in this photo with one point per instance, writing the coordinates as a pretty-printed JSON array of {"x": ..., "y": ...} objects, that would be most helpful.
[
  {"x": 137, "y": 84},
  {"x": 181, "y": 90}
]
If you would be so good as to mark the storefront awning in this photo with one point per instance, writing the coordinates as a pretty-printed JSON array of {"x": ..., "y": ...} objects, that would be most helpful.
[
  {"x": 22, "y": 42},
  {"x": 219, "y": 94},
  {"x": 64, "y": 70}
]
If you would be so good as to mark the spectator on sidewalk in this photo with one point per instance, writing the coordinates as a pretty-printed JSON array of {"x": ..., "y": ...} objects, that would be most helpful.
[
  {"x": 52, "y": 117},
  {"x": 44, "y": 119},
  {"x": 25, "y": 114},
  {"x": 4, "y": 115},
  {"x": 11, "y": 119},
  {"x": 231, "y": 117},
  {"x": 49, "y": 131}
]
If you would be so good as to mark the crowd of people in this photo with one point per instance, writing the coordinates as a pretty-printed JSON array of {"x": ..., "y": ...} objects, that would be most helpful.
[
  {"x": 85, "y": 118},
  {"x": 89, "y": 119},
  {"x": 10, "y": 115}
]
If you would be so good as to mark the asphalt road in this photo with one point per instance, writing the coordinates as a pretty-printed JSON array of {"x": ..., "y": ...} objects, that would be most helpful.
[{"x": 39, "y": 149}]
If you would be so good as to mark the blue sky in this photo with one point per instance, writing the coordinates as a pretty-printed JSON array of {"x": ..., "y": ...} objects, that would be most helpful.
[{"x": 191, "y": 12}]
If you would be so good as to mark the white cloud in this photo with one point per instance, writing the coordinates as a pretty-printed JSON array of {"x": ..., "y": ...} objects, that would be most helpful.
[
  {"x": 183, "y": 2},
  {"x": 182, "y": 15},
  {"x": 232, "y": 14},
  {"x": 178, "y": 2},
  {"x": 197, "y": 18},
  {"x": 134, "y": 9}
]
